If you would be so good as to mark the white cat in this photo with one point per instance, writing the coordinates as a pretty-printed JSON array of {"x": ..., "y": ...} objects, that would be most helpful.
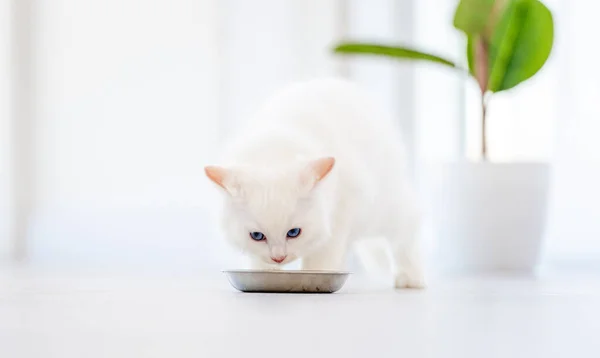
[{"x": 319, "y": 167}]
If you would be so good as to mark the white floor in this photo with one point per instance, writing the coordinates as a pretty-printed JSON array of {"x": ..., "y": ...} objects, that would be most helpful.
[{"x": 44, "y": 315}]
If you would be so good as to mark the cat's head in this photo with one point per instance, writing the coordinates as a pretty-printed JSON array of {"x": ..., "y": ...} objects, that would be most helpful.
[{"x": 275, "y": 214}]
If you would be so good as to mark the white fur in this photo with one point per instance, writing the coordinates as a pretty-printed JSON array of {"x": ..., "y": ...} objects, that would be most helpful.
[{"x": 270, "y": 187}]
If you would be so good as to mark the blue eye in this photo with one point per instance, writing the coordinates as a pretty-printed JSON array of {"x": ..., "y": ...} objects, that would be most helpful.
[
  {"x": 295, "y": 232},
  {"x": 257, "y": 236}
]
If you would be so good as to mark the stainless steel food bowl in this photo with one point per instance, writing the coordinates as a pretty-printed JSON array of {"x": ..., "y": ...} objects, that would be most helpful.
[{"x": 287, "y": 281}]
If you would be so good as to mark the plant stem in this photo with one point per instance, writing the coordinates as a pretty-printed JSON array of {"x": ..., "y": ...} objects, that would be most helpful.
[
  {"x": 484, "y": 154},
  {"x": 481, "y": 52}
]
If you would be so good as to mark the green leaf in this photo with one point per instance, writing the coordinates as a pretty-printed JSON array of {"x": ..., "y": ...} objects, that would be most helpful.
[
  {"x": 390, "y": 51},
  {"x": 472, "y": 16},
  {"x": 520, "y": 45},
  {"x": 471, "y": 54}
]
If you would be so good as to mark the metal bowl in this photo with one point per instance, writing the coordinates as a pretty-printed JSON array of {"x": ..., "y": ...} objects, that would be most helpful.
[{"x": 301, "y": 281}]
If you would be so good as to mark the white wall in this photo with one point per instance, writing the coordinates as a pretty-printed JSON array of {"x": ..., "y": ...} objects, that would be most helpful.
[
  {"x": 439, "y": 91},
  {"x": 5, "y": 24},
  {"x": 127, "y": 117},
  {"x": 270, "y": 43},
  {"x": 390, "y": 22},
  {"x": 574, "y": 228},
  {"x": 126, "y": 100}
]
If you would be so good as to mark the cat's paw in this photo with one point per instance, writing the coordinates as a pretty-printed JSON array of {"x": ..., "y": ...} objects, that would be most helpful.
[{"x": 409, "y": 281}]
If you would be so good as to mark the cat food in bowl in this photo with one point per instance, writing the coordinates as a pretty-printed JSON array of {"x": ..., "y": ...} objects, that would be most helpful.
[{"x": 299, "y": 281}]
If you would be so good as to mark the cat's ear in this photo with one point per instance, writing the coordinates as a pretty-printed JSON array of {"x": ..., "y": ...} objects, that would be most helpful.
[
  {"x": 220, "y": 176},
  {"x": 317, "y": 170},
  {"x": 321, "y": 167}
]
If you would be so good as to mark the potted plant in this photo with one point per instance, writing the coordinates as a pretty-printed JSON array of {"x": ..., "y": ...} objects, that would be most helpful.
[{"x": 489, "y": 216}]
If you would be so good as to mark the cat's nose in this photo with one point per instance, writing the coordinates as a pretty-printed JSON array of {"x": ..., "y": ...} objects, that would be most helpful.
[{"x": 278, "y": 259}]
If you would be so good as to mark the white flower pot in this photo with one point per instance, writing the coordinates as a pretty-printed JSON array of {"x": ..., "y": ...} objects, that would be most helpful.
[{"x": 490, "y": 217}]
